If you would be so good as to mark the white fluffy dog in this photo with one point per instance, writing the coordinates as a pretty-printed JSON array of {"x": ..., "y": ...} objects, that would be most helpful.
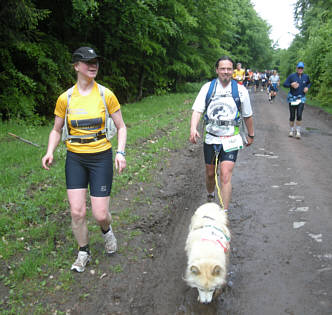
[{"x": 207, "y": 248}]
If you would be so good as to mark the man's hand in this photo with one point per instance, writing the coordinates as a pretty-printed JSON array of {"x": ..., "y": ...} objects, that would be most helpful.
[
  {"x": 249, "y": 141},
  {"x": 194, "y": 135},
  {"x": 295, "y": 85}
]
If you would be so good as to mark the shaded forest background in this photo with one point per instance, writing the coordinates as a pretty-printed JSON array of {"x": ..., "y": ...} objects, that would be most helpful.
[{"x": 148, "y": 46}]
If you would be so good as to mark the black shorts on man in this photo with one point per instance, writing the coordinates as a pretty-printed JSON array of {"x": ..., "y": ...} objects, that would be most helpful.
[{"x": 210, "y": 155}]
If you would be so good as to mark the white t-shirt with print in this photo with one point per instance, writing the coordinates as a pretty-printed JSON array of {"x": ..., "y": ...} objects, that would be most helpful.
[
  {"x": 274, "y": 78},
  {"x": 222, "y": 107}
]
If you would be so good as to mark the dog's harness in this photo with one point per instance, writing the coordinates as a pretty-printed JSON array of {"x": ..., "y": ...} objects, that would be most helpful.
[{"x": 218, "y": 237}]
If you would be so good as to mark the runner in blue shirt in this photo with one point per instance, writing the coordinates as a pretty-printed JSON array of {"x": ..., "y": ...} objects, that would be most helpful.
[{"x": 299, "y": 84}]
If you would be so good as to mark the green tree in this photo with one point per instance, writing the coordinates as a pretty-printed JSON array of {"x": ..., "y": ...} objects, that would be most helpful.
[
  {"x": 250, "y": 42},
  {"x": 313, "y": 46},
  {"x": 20, "y": 55}
]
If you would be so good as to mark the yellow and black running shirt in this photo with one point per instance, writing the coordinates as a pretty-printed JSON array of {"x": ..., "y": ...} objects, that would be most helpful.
[
  {"x": 239, "y": 74},
  {"x": 86, "y": 115}
]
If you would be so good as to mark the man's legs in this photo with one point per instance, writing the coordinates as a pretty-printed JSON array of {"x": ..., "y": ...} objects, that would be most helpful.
[
  {"x": 210, "y": 178},
  {"x": 291, "y": 119},
  {"x": 226, "y": 169},
  {"x": 299, "y": 112}
]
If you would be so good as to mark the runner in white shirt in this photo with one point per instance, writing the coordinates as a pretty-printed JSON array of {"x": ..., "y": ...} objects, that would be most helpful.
[
  {"x": 274, "y": 81},
  {"x": 256, "y": 78},
  {"x": 222, "y": 108}
]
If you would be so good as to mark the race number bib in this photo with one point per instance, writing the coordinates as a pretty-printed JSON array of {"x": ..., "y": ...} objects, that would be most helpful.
[
  {"x": 297, "y": 102},
  {"x": 232, "y": 143}
]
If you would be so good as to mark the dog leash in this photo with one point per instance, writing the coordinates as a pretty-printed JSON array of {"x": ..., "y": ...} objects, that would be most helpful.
[{"x": 217, "y": 151}]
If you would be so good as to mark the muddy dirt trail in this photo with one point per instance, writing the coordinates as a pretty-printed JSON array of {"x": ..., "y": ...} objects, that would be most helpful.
[{"x": 280, "y": 218}]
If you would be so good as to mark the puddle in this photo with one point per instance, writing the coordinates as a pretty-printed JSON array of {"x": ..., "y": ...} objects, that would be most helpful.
[
  {"x": 297, "y": 225},
  {"x": 269, "y": 155},
  {"x": 299, "y": 209},
  {"x": 290, "y": 184},
  {"x": 316, "y": 237},
  {"x": 323, "y": 257},
  {"x": 317, "y": 131},
  {"x": 299, "y": 198}
]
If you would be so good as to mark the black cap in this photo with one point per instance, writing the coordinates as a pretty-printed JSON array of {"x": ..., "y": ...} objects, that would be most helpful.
[{"x": 84, "y": 54}]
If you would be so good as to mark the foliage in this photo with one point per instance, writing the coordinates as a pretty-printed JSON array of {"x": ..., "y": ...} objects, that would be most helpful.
[
  {"x": 148, "y": 47},
  {"x": 250, "y": 40}
]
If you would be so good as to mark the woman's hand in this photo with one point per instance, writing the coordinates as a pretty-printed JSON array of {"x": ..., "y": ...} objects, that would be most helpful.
[{"x": 120, "y": 162}]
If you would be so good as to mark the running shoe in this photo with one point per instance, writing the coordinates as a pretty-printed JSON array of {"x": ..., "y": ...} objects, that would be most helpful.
[
  {"x": 298, "y": 135},
  {"x": 83, "y": 258},
  {"x": 110, "y": 242},
  {"x": 291, "y": 133},
  {"x": 210, "y": 198}
]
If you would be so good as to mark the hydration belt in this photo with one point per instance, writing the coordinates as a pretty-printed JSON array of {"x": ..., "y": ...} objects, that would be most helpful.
[
  {"x": 82, "y": 140},
  {"x": 235, "y": 123}
]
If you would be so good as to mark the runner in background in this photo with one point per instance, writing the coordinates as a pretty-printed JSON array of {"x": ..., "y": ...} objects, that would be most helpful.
[
  {"x": 251, "y": 73},
  {"x": 274, "y": 82},
  {"x": 263, "y": 80},
  {"x": 239, "y": 73},
  {"x": 298, "y": 83},
  {"x": 246, "y": 78},
  {"x": 256, "y": 77}
]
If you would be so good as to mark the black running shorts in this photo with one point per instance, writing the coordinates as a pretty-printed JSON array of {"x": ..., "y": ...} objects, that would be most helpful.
[
  {"x": 94, "y": 169},
  {"x": 298, "y": 109},
  {"x": 210, "y": 156}
]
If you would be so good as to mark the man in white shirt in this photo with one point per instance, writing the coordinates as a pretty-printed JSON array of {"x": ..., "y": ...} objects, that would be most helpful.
[{"x": 223, "y": 137}]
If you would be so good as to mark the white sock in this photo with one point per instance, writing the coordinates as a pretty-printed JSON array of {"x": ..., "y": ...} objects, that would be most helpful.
[{"x": 298, "y": 128}]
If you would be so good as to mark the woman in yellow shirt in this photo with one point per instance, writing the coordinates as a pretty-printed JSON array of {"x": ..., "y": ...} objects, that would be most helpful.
[
  {"x": 89, "y": 160},
  {"x": 239, "y": 73}
]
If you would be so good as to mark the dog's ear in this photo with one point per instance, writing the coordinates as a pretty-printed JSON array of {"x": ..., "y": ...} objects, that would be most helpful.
[
  {"x": 195, "y": 270},
  {"x": 216, "y": 270}
]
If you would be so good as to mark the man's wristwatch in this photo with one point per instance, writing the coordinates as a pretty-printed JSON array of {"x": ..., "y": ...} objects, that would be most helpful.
[{"x": 252, "y": 137}]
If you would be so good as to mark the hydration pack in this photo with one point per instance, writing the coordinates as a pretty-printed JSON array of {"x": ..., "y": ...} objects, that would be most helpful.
[{"x": 109, "y": 130}]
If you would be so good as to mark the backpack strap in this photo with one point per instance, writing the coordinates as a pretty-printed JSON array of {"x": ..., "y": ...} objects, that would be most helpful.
[
  {"x": 235, "y": 95},
  {"x": 212, "y": 91},
  {"x": 65, "y": 129},
  {"x": 102, "y": 94}
]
